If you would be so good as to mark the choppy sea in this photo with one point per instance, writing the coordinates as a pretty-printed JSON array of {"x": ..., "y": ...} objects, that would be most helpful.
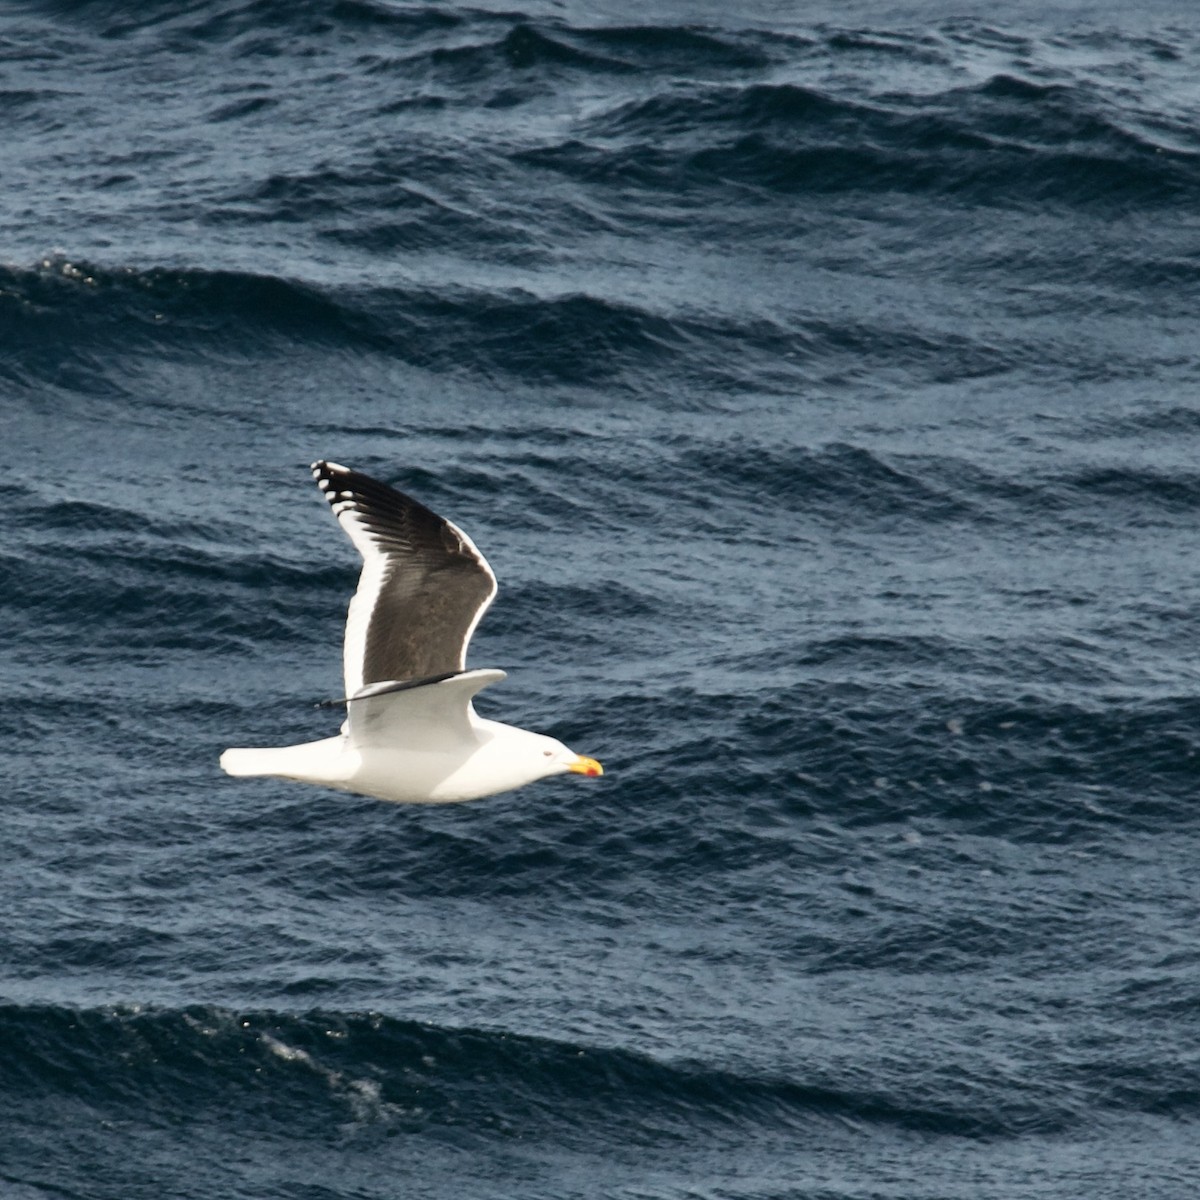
[{"x": 822, "y": 383}]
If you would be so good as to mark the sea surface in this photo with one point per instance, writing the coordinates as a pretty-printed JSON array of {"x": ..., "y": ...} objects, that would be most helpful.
[{"x": 822, "y": 383}]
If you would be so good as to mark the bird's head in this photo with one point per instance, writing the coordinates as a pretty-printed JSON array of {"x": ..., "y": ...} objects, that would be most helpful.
[
  {"x": 545, "y": 756},
  {"x": 559, "y": 760},
  {"x": 515, "y": 757}
]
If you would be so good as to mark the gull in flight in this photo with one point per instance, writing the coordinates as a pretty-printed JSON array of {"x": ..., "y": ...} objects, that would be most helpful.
[{"x": 411, "y": 733}]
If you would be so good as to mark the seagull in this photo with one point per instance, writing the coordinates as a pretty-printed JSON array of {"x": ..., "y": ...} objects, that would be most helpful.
[{"x": 411, "y": 733}]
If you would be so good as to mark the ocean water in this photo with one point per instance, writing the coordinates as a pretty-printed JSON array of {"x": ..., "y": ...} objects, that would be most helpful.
[{"x": 821, "y": 382}]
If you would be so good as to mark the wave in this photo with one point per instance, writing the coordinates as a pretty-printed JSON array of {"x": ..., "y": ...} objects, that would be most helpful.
[
  {"x": 1006, "y": 141},
  {"x": 850, "y": 486},
  {"x": 85, "y": 302},
  {"x": 481, "y": 41},
  {"x": 221, "y": 23},
  {"x": 85, "y": 322},
  {"x": 324, "y": 1068},
  {"x": 1020, "y": 137},
  {"x": 838, "y": 481},
  {"x": 316, "y": 1074},
  {"x": 570, "y": 339}
]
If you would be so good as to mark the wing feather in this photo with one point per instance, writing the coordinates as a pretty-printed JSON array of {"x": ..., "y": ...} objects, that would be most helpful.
[{"x": 423, "y": 588}]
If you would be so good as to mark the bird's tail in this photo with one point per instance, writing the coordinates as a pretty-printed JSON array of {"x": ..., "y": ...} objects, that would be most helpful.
[
  {"x": 250, "y": 762},
  {"x": 311, "y": 762}
]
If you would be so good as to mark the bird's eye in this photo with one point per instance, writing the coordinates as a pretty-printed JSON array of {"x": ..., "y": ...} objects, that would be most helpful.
[{"x": 547, "y": 753}]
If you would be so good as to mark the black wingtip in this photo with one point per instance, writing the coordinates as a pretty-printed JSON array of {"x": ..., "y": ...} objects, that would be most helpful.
[
  {"x": 323, "y": 470},
  {"x": 334, "y": 480}
]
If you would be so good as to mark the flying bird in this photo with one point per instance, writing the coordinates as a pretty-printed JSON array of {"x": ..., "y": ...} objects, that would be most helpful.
[{"x": 411, "y": 733}]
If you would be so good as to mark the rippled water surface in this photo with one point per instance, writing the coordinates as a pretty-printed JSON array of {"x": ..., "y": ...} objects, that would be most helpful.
[{"x": 822, "y": 388}]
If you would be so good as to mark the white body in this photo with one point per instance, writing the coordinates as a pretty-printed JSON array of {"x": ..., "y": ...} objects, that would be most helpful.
[{"x": 421, "y": 745}]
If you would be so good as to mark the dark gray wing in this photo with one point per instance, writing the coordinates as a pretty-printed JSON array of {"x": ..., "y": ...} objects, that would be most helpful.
[{"x": 423, "y": 587}]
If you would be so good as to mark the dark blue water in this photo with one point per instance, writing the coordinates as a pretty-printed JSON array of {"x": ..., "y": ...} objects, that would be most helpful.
[{"x": 823, "y": 387}]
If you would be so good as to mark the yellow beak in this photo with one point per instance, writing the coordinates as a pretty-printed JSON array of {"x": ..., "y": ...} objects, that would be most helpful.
[{"x": 586, "y": 766}]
